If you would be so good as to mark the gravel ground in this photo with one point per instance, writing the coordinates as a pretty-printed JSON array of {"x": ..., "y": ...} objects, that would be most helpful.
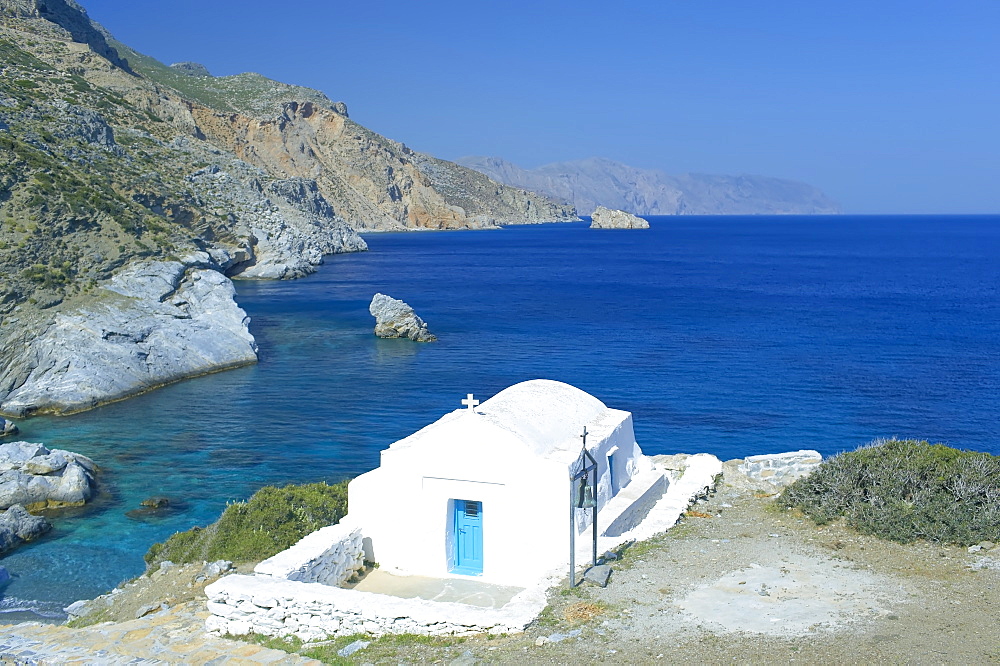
[{"x": 736, "y": 581}]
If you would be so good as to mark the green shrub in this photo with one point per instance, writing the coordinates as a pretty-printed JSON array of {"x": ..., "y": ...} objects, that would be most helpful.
[
  {"x": 270, "y": 521},
  {"x": 905, "y": 490}
]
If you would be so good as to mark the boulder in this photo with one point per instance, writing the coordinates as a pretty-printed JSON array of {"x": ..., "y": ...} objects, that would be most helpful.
[
  {"x": 37, "y": 478},
  {"x": 396, "y": 319},
  {"x": 18, "y": 526},
  {"x": 606, "y": 218},
  {"x": 7, "y": 428},
  {"x": 598, "y": 575}
]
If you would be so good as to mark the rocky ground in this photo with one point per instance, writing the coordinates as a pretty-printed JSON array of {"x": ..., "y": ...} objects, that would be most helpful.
[{"x": 737, "y": 580}]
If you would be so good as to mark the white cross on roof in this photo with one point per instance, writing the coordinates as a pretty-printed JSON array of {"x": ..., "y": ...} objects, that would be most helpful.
[{"x": 470, "y": 402}]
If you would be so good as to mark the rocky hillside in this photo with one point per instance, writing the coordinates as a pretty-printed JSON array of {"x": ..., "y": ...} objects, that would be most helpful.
[
  {"x": 131, "y": 192},
  {"x": 589, "y": 183}
]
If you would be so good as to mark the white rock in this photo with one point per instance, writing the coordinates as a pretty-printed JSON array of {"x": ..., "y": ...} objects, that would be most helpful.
[
  {"x": 606, "y": 218},
  {"x": 396, "y": 319},
  {"x": 154, "y": 323}
]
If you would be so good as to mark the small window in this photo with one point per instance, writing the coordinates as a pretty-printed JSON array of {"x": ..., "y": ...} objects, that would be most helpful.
[{"x": 471, "y": 508}]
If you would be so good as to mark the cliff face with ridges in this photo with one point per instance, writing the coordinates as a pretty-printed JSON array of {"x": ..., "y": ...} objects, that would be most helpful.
[
  {"x": 589, "y": 183},
  {"x": 113, "y": 165}
]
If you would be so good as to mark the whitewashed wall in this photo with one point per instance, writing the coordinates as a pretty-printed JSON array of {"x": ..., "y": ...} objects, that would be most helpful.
[
  {"x": 329, "y": 556},
  {"x": 274, "y": 607},
  {"x": 526, "y": 497}
]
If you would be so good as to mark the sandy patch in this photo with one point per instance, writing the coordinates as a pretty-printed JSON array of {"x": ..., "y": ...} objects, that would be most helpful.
[{"x": 793, "y": 597}]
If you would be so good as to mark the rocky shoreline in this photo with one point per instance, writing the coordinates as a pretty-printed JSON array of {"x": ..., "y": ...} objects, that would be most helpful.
[{"x": 153, "y": 323}]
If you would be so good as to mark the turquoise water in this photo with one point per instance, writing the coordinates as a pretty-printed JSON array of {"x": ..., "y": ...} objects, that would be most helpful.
[{"x": 728, "y": 335}]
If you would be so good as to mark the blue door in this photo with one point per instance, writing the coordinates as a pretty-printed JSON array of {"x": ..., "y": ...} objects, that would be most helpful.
[{"x": 468, "y": 537}]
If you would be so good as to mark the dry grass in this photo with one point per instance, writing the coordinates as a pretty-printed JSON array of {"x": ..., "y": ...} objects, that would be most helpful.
[
  {"x": 699, "y": 514},
  {"x": 582, "y": 611}
]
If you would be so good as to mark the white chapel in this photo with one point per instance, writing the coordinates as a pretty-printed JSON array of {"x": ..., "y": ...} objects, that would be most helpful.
[{"x": 488, "y": 490}]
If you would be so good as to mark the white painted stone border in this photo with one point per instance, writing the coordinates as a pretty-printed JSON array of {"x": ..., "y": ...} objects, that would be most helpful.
[{"x": 781, "y": 469}]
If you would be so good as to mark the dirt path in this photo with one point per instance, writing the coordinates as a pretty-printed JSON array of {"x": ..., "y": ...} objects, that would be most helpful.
[{"x": 736, "y": 581}]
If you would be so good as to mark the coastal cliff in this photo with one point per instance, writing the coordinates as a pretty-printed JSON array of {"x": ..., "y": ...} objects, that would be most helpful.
[{"x": 113, "y": 165}]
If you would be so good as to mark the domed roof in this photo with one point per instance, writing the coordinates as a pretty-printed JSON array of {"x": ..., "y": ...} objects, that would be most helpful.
[{"x": 546, "y": 415}]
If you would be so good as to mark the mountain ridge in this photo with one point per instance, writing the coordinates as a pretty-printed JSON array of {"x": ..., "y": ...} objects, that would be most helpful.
[{"x": 595, "y": 181}]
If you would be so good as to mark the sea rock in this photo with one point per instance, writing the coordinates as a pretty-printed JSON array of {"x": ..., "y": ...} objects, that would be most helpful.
[
  {"x": 37, "y": 478},
  {"x": 605, "y": 218},
  {"x": 153, "y": 323},
  {"x": 396, "y": 319},
  {"x": 155, "y": 502},
  {"x": 4, "y": 578},
  {"x": 17, "y": 526},
  {"x": 7, "y": 428}
]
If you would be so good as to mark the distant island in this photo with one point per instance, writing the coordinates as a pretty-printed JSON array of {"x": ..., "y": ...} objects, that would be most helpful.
[{"x": 587, "y": 184}]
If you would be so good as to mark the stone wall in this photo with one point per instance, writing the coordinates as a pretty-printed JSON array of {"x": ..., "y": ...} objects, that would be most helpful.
[
  {"x": 329, "y": 556},
  {"x": 781, "y": 469},
  {"x": 274, "y": 607}
]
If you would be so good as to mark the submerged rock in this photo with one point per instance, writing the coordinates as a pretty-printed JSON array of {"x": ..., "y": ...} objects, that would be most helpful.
[
  {"x": 396, "y": 319},
  {"x": 606, "y": 218},
  {"x": 17, "y": 526},
  {"x": 37, "y": 478},
  {"x": 7, "y": 428}
]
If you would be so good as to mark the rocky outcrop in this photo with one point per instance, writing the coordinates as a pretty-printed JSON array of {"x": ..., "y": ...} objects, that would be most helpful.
[
  {"x": 17, "y": 526},
  {"x": 605, "y": 218},
  {"x": 585, "y": 183},
  {"x": 396, "y": 319},
  {"x": 7, "y": 428},
  {"x": 155, "y": 322},
  {"x": 283, "y": 227},
  {"x": 70, "y": 18},
  {"x": 191, "y": 68},
  {"x": 38, "y": 478}
]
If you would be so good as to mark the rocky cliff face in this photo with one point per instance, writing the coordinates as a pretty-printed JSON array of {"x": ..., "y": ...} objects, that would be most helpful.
[
  {"x": 592, "y": 182},
  {"x": 114, "y": 166},
  {"x": 375, "y": 183}
]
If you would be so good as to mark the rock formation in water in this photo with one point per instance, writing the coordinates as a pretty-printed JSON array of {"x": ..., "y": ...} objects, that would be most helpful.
[
  {"x": 396, "y": 319},
  {"x": 7, "y": 428},
  {"x": 586, "y": 183},
  {"x": 605, "y": 218},
  {"x": 38, "y": 478},
  {"x": 114, "y": 166},
  {"x": 17, "y": 526}
]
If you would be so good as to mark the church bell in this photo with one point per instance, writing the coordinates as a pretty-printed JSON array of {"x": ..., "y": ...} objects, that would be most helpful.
[{"x": 586, "y": 500}]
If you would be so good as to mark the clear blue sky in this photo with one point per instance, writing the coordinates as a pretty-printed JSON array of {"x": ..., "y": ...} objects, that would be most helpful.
[{"x": 888, "y": 106}]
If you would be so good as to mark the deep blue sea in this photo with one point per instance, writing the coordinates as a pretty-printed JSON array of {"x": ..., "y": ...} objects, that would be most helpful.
[{"x": 735, "y": 336}]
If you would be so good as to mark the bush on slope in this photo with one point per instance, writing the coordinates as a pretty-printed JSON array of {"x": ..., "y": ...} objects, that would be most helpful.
[
  {"x": 272, "y": 520},
  {"x": 905, "y": 490}
]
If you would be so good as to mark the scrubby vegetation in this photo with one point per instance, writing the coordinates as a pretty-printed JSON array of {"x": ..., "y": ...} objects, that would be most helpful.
[
  {"x": 270, "y": 521},
  {"x": 906, "y": 490},
  {"x": 390, "y": 648}
]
